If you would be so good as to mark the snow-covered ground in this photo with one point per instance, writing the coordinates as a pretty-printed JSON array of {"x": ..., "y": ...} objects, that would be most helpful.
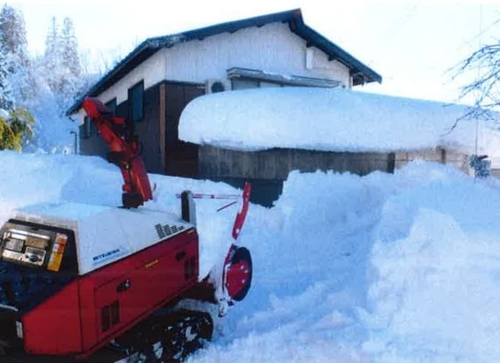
[{"x": 381, "y": 268}]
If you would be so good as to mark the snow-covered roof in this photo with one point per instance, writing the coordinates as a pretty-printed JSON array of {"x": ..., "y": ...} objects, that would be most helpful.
[
  {"x": 105, "y": 234},
  {"x": 332, "y": 120}
]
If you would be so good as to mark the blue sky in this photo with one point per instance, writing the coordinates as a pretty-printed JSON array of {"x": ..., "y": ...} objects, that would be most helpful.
[{"x": 412, "y": 44}]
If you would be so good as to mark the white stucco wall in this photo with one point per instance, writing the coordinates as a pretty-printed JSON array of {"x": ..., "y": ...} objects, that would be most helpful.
[
  {"x": 152, "y": 71},
  {"x": 272, "y": 48}
]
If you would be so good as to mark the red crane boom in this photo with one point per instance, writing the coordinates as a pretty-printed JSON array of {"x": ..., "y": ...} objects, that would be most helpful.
[{"x": 124, "y": 152}]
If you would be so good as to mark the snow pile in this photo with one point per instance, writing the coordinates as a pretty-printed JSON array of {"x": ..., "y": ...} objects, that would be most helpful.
[
  {"x": 332, "y": 120},
  {"x": 399, "y": 268},
  {"x": 434, "y": 296},
  {"x": 54, "y": 133},
  {"x": 381, "y": 268}
]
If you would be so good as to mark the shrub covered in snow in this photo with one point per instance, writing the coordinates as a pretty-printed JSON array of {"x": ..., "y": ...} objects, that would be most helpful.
[{"x": 15, "y": 128}]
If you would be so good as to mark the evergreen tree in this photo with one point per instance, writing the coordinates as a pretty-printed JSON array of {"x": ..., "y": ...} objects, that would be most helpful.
[
  {"x": 44, "y": 85},
  {"x": 52, "y": 40},
  {"x": 14, "y": 43},
  {"x": 6, "y": 98},
  {"x": 69, "y": 49},
  {"x": 52, "y": 57},
  {"x": 13, "y": 38},
  {"x": 62, "y": 63},
  {"x": 15, "y": 129}
]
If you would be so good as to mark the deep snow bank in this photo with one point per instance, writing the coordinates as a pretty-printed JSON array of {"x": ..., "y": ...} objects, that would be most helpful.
[
  {"x": 380, "y": 268},
  {"x": 434, "y": 293}
]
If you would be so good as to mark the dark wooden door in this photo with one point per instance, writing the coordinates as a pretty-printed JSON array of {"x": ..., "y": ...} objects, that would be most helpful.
[{"x": 181, "y": 157}]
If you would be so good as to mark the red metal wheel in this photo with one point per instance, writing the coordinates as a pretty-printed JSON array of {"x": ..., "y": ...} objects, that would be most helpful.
[{"x": 239, "y": 274}]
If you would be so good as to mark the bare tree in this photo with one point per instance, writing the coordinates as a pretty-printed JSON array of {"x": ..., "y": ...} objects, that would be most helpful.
[
  {"x": 484, "y": 89},
  {"x": 479, "y": 73}
]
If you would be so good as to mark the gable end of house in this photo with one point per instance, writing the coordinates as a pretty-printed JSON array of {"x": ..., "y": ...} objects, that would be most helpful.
[{"x": 359, "y": 72}]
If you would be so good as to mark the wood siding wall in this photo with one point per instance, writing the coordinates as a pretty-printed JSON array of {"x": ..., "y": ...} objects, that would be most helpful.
[
  {"x": 267, "y": 170},
  {"x": 92, "y": 145},
  {"x": 439, "y": 155},
  {"x": 181, "y": 158},
  {"x": 275, "y": 164},
  {"x": 149, "y": 130}
]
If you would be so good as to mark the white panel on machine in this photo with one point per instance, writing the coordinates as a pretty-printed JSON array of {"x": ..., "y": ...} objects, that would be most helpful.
[{"x": 106, "y": 234}]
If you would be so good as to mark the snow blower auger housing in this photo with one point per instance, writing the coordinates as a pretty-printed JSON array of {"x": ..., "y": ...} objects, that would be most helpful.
[{"x": 89, "y": 283}]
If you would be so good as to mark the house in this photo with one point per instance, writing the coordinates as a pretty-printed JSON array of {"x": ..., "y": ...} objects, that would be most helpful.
[
  {"x": 153, "y": 84},
  {"x": 341, "y": 130}
]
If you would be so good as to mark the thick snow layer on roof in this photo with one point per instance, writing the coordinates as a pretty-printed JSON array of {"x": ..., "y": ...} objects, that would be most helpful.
[{"x": 332, "y": 120}]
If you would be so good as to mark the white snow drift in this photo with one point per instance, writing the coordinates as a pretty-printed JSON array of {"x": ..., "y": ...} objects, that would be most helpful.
[{"x": 382, "y": 268}]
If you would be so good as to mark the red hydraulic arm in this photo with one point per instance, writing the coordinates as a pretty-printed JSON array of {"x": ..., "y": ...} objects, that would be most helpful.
[{"x": 124, "y": 152}]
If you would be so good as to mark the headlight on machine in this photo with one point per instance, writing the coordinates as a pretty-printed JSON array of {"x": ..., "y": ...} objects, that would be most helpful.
[{"x": 19, "y": 330}]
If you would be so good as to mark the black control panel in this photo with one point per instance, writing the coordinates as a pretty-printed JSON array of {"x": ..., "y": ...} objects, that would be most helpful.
[{"x": 35, "y": 262}]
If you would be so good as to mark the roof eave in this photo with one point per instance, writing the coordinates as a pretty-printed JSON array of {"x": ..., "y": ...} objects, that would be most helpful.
[{"x": 139, "y": 54}]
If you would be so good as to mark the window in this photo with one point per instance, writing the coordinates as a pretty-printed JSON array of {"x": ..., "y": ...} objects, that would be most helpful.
[
  {"x": 136, "y": 102},
  {"x": 87, "y": 127},
  {"x": 111, "y": 105}
]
